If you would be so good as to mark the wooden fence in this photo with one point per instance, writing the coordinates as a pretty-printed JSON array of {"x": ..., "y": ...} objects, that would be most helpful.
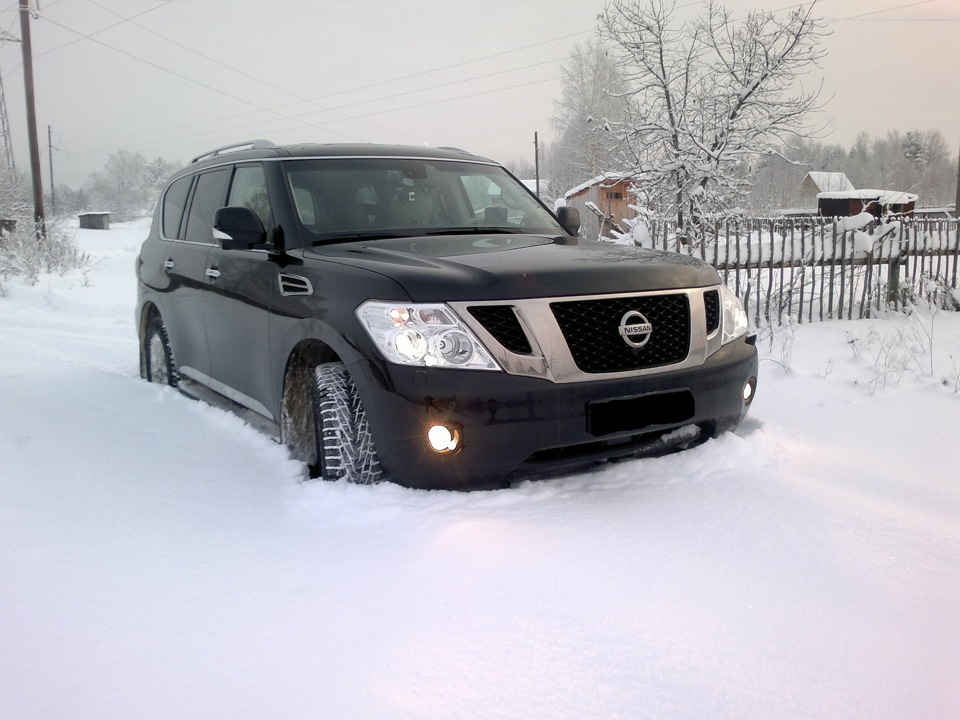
[{"x": 821, "y": 268}]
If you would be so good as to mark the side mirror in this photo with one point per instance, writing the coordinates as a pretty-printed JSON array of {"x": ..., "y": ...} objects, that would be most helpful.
[
  {"x": 238, "y": 228},
  {"x": 569, "y": 218}
]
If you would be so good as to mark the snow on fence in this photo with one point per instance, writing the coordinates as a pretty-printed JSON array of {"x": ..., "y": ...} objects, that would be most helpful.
[{"x": 810, "y": 269}]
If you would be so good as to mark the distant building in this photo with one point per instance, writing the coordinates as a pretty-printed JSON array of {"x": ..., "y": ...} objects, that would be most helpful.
[
  {"x": 95, "y": 220},
  {"x": 823, "y": 182},
  {"x": 875, "y": 202},
  {"x": 609, "y": 195}
]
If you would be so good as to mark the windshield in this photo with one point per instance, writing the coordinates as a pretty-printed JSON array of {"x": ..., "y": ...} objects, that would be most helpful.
[{"x": 340, "y": 199}]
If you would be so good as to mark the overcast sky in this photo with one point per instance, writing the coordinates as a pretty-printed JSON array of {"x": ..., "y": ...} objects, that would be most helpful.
[{"x": 174, "y": 78}]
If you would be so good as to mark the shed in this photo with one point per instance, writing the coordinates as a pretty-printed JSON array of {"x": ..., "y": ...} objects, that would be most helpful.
[
  {"x": 875, "y": 202},
  {"x": 611, "y": 193},
  {"x": 95, "y": 220},
  {"x": 823, "y": 182}
]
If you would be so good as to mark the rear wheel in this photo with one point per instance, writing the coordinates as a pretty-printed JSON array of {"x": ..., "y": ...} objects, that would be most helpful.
[
  {"x": 345, "y": 446},
  {"x": 158, "y": 365}
]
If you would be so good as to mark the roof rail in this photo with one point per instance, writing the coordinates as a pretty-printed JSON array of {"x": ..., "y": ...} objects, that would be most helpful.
[{"x": 235, "y": 147}]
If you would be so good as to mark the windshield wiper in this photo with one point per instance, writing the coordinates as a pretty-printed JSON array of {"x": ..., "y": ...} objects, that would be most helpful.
[{"x": 480, "y": 230}]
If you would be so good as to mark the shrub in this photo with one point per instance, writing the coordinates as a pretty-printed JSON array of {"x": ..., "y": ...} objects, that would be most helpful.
[{"x": 26, "y": 253}]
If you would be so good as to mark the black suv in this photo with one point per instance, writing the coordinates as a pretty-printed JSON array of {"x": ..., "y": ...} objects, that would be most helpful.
[{"x": 416, "y": 314}]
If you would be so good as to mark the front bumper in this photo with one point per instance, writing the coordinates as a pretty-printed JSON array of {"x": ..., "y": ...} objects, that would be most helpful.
[{"x": 514, "y": 427}]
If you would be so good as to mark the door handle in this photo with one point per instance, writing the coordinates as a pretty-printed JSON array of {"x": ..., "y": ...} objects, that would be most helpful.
[
  {"x": 212, "y": 273},
  {"x": 169, "y": 264}
]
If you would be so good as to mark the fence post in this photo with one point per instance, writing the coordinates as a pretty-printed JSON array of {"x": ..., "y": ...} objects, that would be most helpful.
[
  {"x": 956, "y": 250},
  {"x": 893, "y": 282}
]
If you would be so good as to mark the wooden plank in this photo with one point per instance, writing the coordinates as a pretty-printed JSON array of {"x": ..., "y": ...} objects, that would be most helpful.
[
  {"x": 803, "y": 278},
  {"x": 766, "y": 311},
  {"x": 843, "y": 271}
]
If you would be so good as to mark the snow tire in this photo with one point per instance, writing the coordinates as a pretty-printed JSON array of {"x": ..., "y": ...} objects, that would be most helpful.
[
  {"x": 158, "y": 364},
  {"x": 345, "y": 446}
]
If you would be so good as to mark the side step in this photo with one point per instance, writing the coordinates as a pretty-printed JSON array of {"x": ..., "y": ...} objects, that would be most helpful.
[{"x": 197, "y": 391}]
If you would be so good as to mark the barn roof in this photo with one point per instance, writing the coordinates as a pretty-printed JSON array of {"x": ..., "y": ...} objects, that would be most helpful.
[
  {"x": 829, "y": 181},
  {"x": 609, "y": 178}
]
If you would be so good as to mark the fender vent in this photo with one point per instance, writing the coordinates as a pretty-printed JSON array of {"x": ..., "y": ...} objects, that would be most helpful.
[{"x": 294, "y": 285}]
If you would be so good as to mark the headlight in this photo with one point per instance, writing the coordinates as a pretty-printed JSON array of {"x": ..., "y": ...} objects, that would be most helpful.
[
  {"x": 423, "y": 335},
  {"x": 734, "y": 317}
]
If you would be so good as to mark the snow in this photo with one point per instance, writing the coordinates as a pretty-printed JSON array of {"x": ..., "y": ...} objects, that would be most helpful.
[
  {"x": 608, "y": 177},
  {"x": 830, "y": 181},
  {"x": 160, "y": 559},
  {"x": 883, "y": 197}
]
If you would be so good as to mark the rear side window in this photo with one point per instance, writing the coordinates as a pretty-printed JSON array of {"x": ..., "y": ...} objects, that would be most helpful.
[
  {"x": 173, "y": 203},
  {"x": 207, "y": 199}
]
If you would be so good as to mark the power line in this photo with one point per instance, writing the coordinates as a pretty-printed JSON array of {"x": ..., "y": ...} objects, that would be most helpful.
[
  {"x": 454, "y": 65},
  {"x": 885, "y": 10},
  {"x": 109, "y": 27},
  {"x": 253, "y": 126},
  {"x": 448, "y": 84},
  {"x": 337, "y": 109},
  {"x": 205, "y": 86},
  {"x": 298, "y": 117},
  {"x": 182, "y": 46}
]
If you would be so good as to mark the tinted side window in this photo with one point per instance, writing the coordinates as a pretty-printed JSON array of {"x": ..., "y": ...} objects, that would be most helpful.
[
  {"x": 249, "y": 190},
  {"x": 207, "y": 199},
  {"x": 173, "y": 203}
]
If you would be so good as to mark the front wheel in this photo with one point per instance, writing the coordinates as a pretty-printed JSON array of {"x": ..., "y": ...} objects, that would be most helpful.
[
  {"x": 157, "y": 358},
  {"x": 345, "y": 446}
]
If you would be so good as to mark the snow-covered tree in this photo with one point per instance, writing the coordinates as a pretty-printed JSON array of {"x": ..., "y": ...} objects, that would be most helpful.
[
  {"x": 16, "y": 202},
  {"x": 707, "y": 96},
  {"x": 156, "y": 173},
  {"x": 124, "y": 186},
  {"x": 592, "y": 98}
]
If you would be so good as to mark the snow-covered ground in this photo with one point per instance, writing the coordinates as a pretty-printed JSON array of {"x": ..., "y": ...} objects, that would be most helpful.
[{"x": 159, "y": 559}]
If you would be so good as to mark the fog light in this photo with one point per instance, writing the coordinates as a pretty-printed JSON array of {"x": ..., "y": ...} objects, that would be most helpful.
[
  {"x": 749, "y": 387},
  {"x": 444, "y": 438}
]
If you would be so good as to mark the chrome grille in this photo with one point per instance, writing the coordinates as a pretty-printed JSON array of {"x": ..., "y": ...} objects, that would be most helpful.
[{"x": 591, "y": 331}]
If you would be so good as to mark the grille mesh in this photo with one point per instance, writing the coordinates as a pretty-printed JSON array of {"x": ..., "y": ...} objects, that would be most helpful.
[
  {"x": 501, "y": 322},
  {"x": 591, "y": 330},
  {"x": 711, "y": 304}
]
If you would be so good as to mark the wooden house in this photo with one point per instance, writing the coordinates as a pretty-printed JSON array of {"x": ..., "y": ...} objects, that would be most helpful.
[{"x": 603, "y": 202}]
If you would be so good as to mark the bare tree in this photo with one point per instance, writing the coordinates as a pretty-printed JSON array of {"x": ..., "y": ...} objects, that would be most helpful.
[
  {"x": 706, "y": 97},
  {"x": 592, "y": 98},
  {"x": 123, "y": 186}
]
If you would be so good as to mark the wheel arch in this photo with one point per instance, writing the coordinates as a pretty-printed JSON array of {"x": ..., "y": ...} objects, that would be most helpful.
[
  {"x": 148, "y": 312},
  {"x": 297, "y": 422}
]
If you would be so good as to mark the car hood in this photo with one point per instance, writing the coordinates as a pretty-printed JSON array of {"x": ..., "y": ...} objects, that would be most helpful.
[{"x": 499, "y": 267}]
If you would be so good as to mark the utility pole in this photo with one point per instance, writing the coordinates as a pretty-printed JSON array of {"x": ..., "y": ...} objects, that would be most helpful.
[
  {"x": 956, "y": 206},
  {"x": 53, "y": 197},
  {"x": 38, "y": 215},
  {"x": 536, "y": 161}
]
